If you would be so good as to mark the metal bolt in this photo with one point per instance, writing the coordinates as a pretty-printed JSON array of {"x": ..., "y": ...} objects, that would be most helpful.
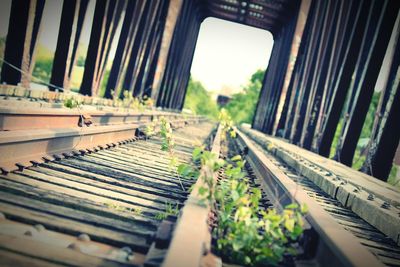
[
  {"x": 84, "y": 237},
  {"x": 128, "y": 250},
  {"x": 385, "y": 205},
  {"x": 356, "y": 190},
  {"x": 328, "y": 174},
  {"x": 73, "y": 246},
  {"x": 39, "y": 227},
  {"x": 28, "y": 233},
  {"x": 370, "y": 197}
]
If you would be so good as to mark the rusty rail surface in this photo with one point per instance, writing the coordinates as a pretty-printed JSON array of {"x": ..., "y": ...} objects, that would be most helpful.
[
  {"x": 191, "y": 238},
  {"x": 340, "y": 221},
  {"x": 96, "y": 208},
  {"x": 375, "y": 201},
  {"x": 37, "y": 135}
]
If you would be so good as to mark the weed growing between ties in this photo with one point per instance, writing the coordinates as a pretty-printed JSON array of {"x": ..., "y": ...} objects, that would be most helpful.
[
  {"x": 242, "y": 231},
  {"x": 170, "y": 209}
]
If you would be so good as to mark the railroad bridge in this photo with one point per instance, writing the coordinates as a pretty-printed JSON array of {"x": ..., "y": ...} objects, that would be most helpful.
[{"x": 87, "y": 186}]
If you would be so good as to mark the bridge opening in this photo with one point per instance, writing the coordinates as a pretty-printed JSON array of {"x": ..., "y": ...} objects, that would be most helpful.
[{"x": 228, "y": 69}]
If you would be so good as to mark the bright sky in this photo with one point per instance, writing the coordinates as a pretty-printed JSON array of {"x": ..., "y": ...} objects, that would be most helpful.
[{"x": 228, "y": 53}]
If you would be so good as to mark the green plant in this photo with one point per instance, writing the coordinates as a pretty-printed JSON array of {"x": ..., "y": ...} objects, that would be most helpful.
[
  {"x": 170, "y": 209},
  {"x": 71, "y": 102},
  {"x": 226, "y": 123},
  {"x": 245, "y": 233},
  {"x": 150, "y": 128}
]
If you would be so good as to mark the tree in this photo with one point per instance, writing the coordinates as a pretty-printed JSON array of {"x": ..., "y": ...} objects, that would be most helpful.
[
  {"x": 242, "y": 105},
  {"x": 199, "y": 101}
]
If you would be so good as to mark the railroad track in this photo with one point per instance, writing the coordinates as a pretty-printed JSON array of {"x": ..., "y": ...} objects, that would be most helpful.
[
  {"x": 101, "y": 206},
  {"x": 335, "y": 235},
  {"x": 113, "y": 201}
]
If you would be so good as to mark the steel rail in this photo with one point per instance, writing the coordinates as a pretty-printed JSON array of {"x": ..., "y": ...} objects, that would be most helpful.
[
  {"x": 191, "y": 239},
  {"x": 373, "y": 200},
  {"x": 95, "y": 209},
  {"x": 334, "y": 240},
  {"x": 45, "y": 118},
  {"x": 30, "y": 145}
]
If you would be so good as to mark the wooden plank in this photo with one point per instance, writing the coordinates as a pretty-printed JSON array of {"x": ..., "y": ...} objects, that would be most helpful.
[
  {"x": 104, "y": 185},
  {"x": 78, "y": 215},
  {"x": 114, "y": 180},
  {"x": 81, "y": 191},
  {"x": 72, "y": 227},
  {"x": 11, "y": 258},
  {"x": 52, "y": 254},
  {"x": 100, "y": 206}
]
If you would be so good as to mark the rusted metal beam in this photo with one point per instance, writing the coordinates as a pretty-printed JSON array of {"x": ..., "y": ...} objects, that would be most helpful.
[
  {"x": 93, "y": 55},
  {"x": 19, "y": 42},
  {"x": 343, "y": 80},
  {"x": 381, "y": 150},
  {"x": 65, "y": 42},
  {"x": 347, "y": 11},
  {"x": 128, "y": 33},
  {"x": 162, "y": 8},
  {"x": 113, "y": 19},
  {"x": 365, "y": 88},
  {"x": 81, "y": 17},
  {"x": 323, "y": 59},
  {"x": 144, "y": 26}
]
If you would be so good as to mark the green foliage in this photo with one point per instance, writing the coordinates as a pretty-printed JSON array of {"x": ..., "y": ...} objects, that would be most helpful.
[
  {"x": 242, "y": 105},
  {"x": 116, "y": 207},
  {"x": 245, "y": 233},
  {"x": 226, "y": 123},
  {"x": 71, "y": 103},
  {"x": 199, "y": 101},
  {"x": 170, "y": 209}
]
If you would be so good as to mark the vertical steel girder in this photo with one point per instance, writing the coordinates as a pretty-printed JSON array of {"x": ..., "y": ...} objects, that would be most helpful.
[
  {"x": 274, "y": 77},
  {"x": 113, "y": 18},
  {"x": 339, "y": 74},
  {"x": 81, "y": 17},
  {"x": 23, "y": 28},
  {"x": 308, "y": 73},
  {"x": 292, "y": 94},
  {"x": 386, "y": 130},
  {"x": 93, "y": 55},
  {"x": 144, "y": 27},
  {"x": 65, "y": 41},
  {"x": 317, "y": 87},
  {"x": 364, "y": 90},
  {"x": 177, "y": 71},
  {"x": 149, "y": 47},
  {"x": 129, "y": 30},
  {"x": 344, "y": 77}
]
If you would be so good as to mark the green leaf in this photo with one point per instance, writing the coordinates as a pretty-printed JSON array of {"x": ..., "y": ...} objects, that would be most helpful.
[
  {"x": 289, "y": 225},
  {"x": 202, "y": 190},
  {"x": 292, "y": 206},
  {"x": 303, "y": 208},
  {"x": 236, "y": 158},
  {"x": 196, "y": 153},
  {"x": 237, "y": 245}
]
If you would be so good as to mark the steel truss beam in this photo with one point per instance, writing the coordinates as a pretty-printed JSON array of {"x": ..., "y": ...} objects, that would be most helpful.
[{"x": 23, "y": 29}]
